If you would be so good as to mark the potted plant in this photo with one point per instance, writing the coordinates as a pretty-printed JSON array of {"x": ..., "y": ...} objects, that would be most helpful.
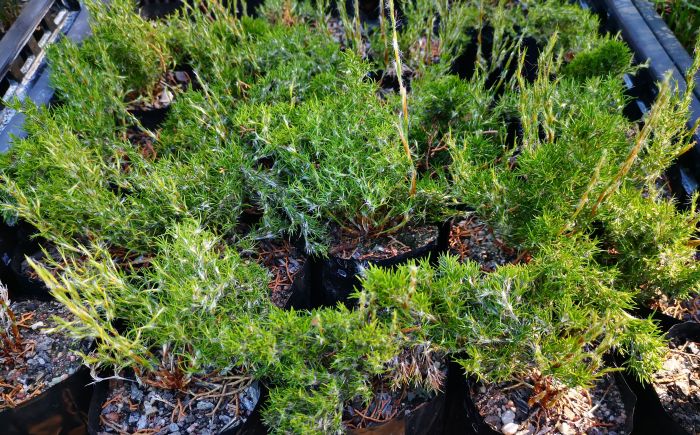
[
  {"x": 157, "y": 331},
  {"x": 38, "y": 367},
  {"x": 333, "y": 369}
]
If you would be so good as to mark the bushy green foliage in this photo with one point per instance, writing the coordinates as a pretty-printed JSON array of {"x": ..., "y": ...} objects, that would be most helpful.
[
  {"x": 610, "y": 57},
  {"x": 320, "y": 360},
  {"x": 172, "y": 315},
  {"x": 284, "y": 118},
  {"x": 559, "y": 314},
  {"x": 577, "y": 28},
  {"x": 652, "y": 243},
  {"x": 576, "y": 152},
  {"x": 136, "y": 46},
  {"x": 337, "y": 159},
  {"x": 59, "y": 185},
  {"x": 445, "y": 107}
]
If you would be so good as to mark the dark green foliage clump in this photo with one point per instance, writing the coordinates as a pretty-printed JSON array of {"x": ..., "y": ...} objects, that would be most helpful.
[
  {"x": 445, "y": 108},
  {"x": 610, "y": 57}
]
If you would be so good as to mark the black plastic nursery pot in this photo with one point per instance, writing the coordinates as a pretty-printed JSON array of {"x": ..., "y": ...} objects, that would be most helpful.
[
  {"x": 291, "y": 271},
  {"x": 426, "y": 419},
  {"x": 651, "y": 417},
  {"x": 17, "y": 242},
  {"x": 338, "y": 275},
  {"x": 253, "y": 425},
  {"x": 62, "y": 409},
  {"x": 476, "y": 423}
]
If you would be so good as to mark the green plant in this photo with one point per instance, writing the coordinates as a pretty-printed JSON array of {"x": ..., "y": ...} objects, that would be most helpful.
[
  {"x": 135, "y": 45},
  {"x": 610, "y": 57},
  {"x": 559, "y": 315},
  {"x": 577, "y": 28},
  {"x": 446, "y": 108},
  {"x": 322, "y": 360},
  {"x": 683, "y": 17},
  {"x": 172, "y": 314},
  {"x": 9, "y": 11},
  {"x": 328, "y": 167}
]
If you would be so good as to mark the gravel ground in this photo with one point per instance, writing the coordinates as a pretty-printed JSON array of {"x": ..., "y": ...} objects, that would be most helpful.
[
  {"x": 471, "y": 238},
  {"x": 678, "y": 385},
  {"x": 209, "y": 407},
  {"x": 45, "y": 359},
  {"x": 505, "y": 408}
]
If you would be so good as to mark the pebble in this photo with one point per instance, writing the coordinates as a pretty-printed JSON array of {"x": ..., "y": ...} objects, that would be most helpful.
[
  {"x": 671, "y": 364},
  {"x": 204, "y": 405},
  {"x": 57, "y": 379},
  {"x": 565, "y": 429},
  {"x": 142, "y": 423},
  {"x": 173, "y": 427},
  {"x": 493, "y": 421},
  {"x": 136, "y": 393},
  {"x": 510, "y": 429},
  {"x": 508, "y": 417},
  {"x": 684, "y": 387}
]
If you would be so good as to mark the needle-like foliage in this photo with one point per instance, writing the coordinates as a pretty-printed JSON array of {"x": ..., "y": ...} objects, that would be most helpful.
[
  {"x": 172, "y": 314},
  {"x": 328, "y": 125}
]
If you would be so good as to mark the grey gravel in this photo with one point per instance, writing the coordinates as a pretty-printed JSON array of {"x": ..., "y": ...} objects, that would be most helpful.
[
  {"x": 155, "y": 412},
  {"x": 43, "y": 363}
]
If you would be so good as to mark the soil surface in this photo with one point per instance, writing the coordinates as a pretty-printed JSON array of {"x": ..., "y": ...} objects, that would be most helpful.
[
  {"x": 687, "y": 310},
  {"x": 472, "y": 239},
  {"x": 210, "y": 406},
  {"x": 386, "y": 246},
  {"x": 284, "y": 262},
  {"x": 678, "y": 385},
  {"x": 505, "y": 408},
  {"x": 42, "y": 360}
]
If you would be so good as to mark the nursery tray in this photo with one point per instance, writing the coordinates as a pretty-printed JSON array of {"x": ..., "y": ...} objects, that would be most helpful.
[
  {"x": 654, "y": 43},
  {"x": 23, "y": 71}
]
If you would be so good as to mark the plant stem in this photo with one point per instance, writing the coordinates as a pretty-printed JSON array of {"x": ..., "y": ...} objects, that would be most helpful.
[{"x": 403, "y": 127}]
